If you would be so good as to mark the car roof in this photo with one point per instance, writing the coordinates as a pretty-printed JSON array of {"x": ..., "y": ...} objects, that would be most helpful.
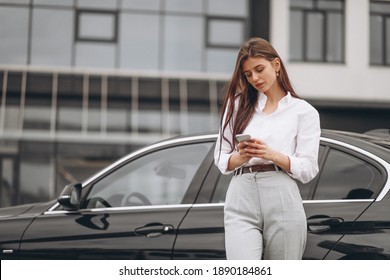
[{"x": 375, "y": 144}]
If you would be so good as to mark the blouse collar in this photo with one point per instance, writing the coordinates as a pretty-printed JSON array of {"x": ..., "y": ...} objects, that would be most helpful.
[{"x": 263, "y": 99}]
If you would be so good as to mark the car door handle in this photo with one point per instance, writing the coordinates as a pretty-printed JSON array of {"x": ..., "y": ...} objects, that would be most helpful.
[
  {"x": 154, "y": 230},
  {"x": 321, "y": 223}
]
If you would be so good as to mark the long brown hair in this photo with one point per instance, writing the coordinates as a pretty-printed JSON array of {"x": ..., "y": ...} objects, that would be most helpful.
[{"x": 240, "y": 88}]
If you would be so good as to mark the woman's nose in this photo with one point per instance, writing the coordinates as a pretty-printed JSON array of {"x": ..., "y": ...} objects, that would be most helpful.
[{"x": 255, "y": 77}]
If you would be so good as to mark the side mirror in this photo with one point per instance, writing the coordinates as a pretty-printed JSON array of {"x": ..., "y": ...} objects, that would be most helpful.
[{"x": 70, "y": 197}]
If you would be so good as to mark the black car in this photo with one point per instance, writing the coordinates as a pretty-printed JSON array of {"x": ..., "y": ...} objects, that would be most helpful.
[{"x": 166, "y": 201}]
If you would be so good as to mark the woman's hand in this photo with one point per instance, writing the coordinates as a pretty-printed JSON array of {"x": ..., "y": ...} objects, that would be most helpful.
[
  {"x": 256, "y": 148},
  {"x": 242, "y": 151},
  {"x": 239, "y": 158}
]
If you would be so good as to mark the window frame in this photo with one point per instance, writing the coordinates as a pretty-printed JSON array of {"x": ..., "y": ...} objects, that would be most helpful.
[
  {"x": 385, "y": 16},
  {"x": 79, "y": 38},
  {"x": 353, "y": 153},
  {"x": 193, "y": 186},
  {"x": 210, "y": 19},
  {"x": 304, "y": 31}
]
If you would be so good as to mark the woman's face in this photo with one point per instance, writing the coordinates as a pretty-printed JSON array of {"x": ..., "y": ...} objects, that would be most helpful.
[{"x": 261, "y": 73}]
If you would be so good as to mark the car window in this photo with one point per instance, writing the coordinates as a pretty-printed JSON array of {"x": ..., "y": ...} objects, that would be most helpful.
[
  {"x": 221, "y": 188},
  {"x": 224, "y": 180},
  {"x": 304, "y": 189},
  {"x": 158, "y": 178},
  {"x": 345, "y": 176}
]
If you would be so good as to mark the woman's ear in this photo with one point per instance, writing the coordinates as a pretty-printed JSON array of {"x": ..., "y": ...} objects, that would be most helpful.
[{"x": 276, "y": 64}]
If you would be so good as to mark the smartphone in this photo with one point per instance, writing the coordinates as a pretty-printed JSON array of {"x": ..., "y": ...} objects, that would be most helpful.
[{"x": 243, "y": 137}]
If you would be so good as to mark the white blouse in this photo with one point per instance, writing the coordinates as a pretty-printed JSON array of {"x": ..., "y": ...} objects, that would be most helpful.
[{"x": 292, "y": 129}]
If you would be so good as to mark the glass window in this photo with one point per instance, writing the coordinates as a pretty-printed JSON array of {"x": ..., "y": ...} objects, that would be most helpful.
[
  {"x": 225, "y": 32},
  {"x": 119, "y": 104},
  {"x": 345, "y": 176},
  {"x": 379, "y": 33},
  {"x": 335, "y": 51},
  {"x": 387, "y": 36},
  {"x": 8, "y": 176},
  {"x": 296, "y": 38},
  {"x": 87, "y": 52},
  {"x": 376, "y": 40},
  {"x": 66, "y": 3},
  {"x": 103, "y": 4},
  {"x": 159, "y": 178},
  {"x": 302, "y": 4},
  {"x": 220, "y": 60},
  {"x": 150, "y": 121},
  {"x": 305, "y": 189},
  {"x": 153, "y": 5},
  {"x": 13, "y": 98},
  {"x": 36, "y": 158},
  {"x": 14, "y": 35},
  {"x": 174, "y": 117},
  {"x": 150, "y": 105},
  {"x": 380, "y": 7},
  {"x": 15, "y": 1},
  {"x": 3, "y": 77},
  {"x": 228, "y": 8},
  {"x": 37, "y": 113},
  {"x": 94, "y": 104},
  {"x": 77, "y": 161},
  {"x": 317, "y": 30},
  {"x": 330, "y": 4},
  {"x": 52, "y": 37},
  {"x": 198, "y": 106},
  {"x": 139, "y": 47},
  {"x": 226, "y": 29},
  {"x": 96, "y": 26},
  {"x": 190, "y": 6},
  {"x": 183, "y": 43},
  {"x": 224, "y": 180},
  {"x": 315, "y": 44},
  {"x": 221, "y": 188},
  {"x": 70, "y": 102}
]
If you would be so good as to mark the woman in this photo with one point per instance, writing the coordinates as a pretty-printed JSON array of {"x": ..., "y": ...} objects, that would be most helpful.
[{"x": 263, "y": 215}]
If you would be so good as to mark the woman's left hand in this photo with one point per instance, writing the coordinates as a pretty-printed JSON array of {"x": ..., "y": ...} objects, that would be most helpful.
[{"x": 259, "y": 149}]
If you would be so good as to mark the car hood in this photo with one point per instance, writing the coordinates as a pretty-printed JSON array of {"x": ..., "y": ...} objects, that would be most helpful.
[{"x": 34, "y": 209}]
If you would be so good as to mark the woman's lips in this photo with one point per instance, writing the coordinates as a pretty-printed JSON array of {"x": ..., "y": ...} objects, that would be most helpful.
[{"x": 259, "y": 85}]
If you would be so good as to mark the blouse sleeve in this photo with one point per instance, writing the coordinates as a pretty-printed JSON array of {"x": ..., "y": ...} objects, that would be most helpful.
[
  {"x": 222, "y": 150},
  {"x": 304, "y": 162}
]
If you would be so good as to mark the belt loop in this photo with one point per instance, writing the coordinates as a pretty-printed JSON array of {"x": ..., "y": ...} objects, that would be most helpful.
[
  {"x": 276, "y": 168},
  {"x": 250, "y": 168}
]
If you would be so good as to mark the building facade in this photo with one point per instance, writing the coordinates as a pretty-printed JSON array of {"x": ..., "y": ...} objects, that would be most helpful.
[{"x": 83, "y": 82}]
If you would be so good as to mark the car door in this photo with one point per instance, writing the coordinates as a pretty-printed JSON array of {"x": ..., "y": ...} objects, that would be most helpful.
[
  {"x": 130, "y": 212},
  {"x": 201, "y": 234},
  {"x": 347, "y": 185}
]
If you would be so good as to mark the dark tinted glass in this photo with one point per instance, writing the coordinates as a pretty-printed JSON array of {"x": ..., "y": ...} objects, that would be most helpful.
[
  {"x": 346, "y": 176},
  {"x": 159, "y": 178}
]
